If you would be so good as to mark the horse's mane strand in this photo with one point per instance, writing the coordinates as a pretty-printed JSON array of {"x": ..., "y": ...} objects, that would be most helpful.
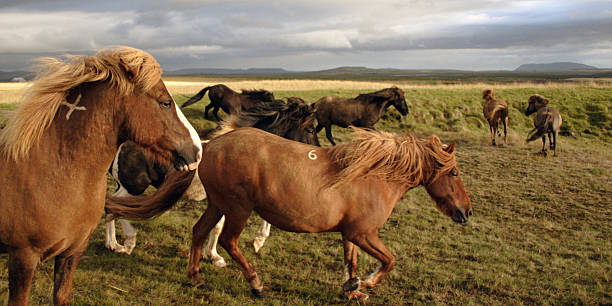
[
  {"x": 404, "y": 160},
  {"x": 124, "y": 68}
]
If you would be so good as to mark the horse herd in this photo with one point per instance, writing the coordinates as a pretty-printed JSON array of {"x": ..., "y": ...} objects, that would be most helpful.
[{"x": 87, "y": 114}]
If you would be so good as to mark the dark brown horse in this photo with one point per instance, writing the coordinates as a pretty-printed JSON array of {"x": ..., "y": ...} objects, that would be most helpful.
[
  {"x": 134, "y": 171},
  {"x": 362, "y": 111},
  {"x": 495, "y": 111},
  {"x": 228, "y": 100},
  {"x": 357, "y": 186},
  {"x": 56, "y": 149},
  {"x": 546, "y": 121}
]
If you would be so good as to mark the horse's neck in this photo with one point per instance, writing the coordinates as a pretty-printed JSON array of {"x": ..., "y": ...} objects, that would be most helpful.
[{"x": 74, "y": 140}]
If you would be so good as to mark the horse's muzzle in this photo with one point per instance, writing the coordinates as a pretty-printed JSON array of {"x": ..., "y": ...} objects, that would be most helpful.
[
  {"x": 460, "y": 217},
  {"x": 187, "y": 157}
]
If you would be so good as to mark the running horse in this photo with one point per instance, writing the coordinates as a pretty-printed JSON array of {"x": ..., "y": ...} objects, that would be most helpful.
[
  {"x": 56, "y": 150},
  {"x": 228, "y": 100},
  {"x": 362, "y": 111},
  {"x": 547, "y": 120},
  {"x": 359, "y": 184},
  {"x": 495, "y": 111}
]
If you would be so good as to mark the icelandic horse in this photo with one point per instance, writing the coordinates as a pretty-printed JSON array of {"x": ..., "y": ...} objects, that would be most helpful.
[
  {"x": 358, "y": 185},
  {"x": 495, "y": 111},
  {"x": 56, "y": 149},
  {"x": 547, "y": 120}
]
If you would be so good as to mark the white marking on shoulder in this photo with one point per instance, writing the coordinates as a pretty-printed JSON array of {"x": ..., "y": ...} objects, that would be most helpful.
[{"x": 312, "y": 155}]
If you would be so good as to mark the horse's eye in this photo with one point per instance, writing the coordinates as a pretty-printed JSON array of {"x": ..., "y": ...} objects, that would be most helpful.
[
  {"x": 309, "y": 130},
  {"x": 165, "y": 104},
  {"x": 454, "y": 173}
]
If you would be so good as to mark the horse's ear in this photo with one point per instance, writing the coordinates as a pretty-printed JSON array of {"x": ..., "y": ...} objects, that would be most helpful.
[
  {"x": 450, "y": 148},
  {"x": 129, "y": 71},
  {"x": 544, "y": 101}
]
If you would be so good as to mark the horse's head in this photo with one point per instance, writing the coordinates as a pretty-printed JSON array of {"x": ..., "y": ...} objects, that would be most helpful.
[
  {"x": 488, "y": 94},
  {"x": 302, "y": 123},
  {"x": 153, "y": 120},
  {"x": 446, "y": 189},
  {"x": 535, "y": 102},
  {"x": 398, "y": 101}
]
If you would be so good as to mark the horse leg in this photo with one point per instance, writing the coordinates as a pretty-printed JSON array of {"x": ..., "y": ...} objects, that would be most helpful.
[
  {"x": 351, "y": 281},
  {"x": 328, "y": 133},
  {"x": 63, "y": 275},
  {"x": 544, "y": 145},
  {"x": 372, "y": 245},
  {"x": 206, "y": 109},
  {"x": 21, "y": 266},
  {"x": 211, "y": 247},
  {"x": 216, "y": 113},
  {"x": 553, "y": 142},
  {"x": 111, "y": 237},
  {"x": 505, "y": 121},
  {"x": 209, "y": 219},
  {"x": 130, "y": 242},
  {"x": 319, "y": 127},
  {"x": 262, "y": 234},
  {"x": 229, "y": 241},
  {"x": 493, "y": 134}
]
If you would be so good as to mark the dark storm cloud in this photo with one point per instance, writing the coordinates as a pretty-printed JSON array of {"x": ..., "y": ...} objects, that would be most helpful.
[{"x": 309, "y": 34}]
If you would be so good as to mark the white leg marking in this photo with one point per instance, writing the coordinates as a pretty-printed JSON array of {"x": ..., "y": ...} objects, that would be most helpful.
[
  {"x": 370, "y": 277},
  {"x": 211, "y": 247},
  {"x": 346, "y": 272},
  {"x": 130, "y": 232},
  {"x": 194, "y": 136},
  {"x": 262, "y": 234}
]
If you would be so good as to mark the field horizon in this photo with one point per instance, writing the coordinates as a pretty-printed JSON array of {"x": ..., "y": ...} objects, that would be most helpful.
[{"x": 540, "y": 233}]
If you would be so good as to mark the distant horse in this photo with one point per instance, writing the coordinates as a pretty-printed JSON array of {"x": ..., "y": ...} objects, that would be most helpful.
[
  {"x": 546, "y": 121},
  {"x": 134, "y": 172},
  {"x": 495, "y": 111},
  {"x": 56, "y": 149},
  {"x": 363, "y": 111},
  {"x": 230, "y": 101}
]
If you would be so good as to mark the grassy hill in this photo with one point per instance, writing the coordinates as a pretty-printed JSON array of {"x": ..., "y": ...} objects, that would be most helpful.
[{"x": 540, "y": 233}]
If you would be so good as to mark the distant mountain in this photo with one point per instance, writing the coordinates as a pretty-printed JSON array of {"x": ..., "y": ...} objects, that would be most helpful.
[
  {"x": 222, "y": 71},
  {"x": 7, "y": 76},
  {"x": 561, "y": 66}
]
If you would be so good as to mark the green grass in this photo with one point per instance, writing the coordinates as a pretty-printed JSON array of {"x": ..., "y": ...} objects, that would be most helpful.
[{"x": 541, "y": 231}]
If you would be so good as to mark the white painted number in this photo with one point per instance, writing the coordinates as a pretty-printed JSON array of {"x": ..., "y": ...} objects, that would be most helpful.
[{"x": 312, "y": 155}]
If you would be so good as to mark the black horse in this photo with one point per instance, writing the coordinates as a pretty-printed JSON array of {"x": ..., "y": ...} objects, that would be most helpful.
[
  {"x": 362, "y": 111},
  {"x": 230, "y": 101},
  {"x": 134, "y": 171}
]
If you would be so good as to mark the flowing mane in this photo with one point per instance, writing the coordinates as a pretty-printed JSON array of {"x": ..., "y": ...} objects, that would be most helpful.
[
  {"x": 401, "y": 159},
  {"x": 125, "y": 69}
]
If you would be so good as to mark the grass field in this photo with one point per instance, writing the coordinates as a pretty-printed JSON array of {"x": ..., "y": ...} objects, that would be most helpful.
[{"x": 541, "y": 231}]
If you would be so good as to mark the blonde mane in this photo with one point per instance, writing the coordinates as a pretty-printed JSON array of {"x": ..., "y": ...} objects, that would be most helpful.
[
  {"x": 405, "y": 160},
  {"x": 126, "y": 69}
]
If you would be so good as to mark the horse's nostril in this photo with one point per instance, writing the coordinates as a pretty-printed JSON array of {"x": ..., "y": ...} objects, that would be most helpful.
[{"x": 469, "y": 212}]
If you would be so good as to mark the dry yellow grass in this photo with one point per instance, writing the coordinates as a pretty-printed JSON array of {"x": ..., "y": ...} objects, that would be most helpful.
[{"x": 12, "y": 92}]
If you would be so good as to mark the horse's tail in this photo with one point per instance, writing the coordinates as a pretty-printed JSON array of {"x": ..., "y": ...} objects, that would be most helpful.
[
  {"x": 197, "y": 97},
  {"x": 541, "y": 129},
  {"x": 145, "y": 207},
  {"x": 500, "y": 107}
]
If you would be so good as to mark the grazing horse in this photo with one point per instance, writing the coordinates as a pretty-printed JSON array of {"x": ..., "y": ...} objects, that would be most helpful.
[
  {"x": 357, "y": 188},
  {"x": 230, "y": 101},
  {"x": 363, "y": 111},
  {"x": 134, "y": 172},
  {"x": 546, "y": 121},
  {"x": 495, "y": 111},
  {"x": 56, "y": 149}
]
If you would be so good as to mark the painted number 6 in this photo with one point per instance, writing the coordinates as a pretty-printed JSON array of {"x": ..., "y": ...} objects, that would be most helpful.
[{"x": 312, "y": 155}]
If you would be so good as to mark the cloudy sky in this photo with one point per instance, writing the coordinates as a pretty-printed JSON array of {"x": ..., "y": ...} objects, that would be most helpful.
[{"x": 314, "y": 34}]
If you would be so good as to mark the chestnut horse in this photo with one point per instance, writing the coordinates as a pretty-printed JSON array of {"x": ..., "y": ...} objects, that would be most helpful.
[
  {"x": 57, "y": 148},
  {"x": 362, "y": 111},
  {"x": 356, "y": 189},
  {"x": 495, "y": 111},
  {"x": 546, "y": 121},
  {"x": 228, "y": 100}
]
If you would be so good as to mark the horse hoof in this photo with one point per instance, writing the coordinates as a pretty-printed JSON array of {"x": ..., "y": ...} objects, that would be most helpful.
[
  {"x": 351, "y": 285},
  {"x": 258, "y": 293},
  {"x": 219, "y": 262}
]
